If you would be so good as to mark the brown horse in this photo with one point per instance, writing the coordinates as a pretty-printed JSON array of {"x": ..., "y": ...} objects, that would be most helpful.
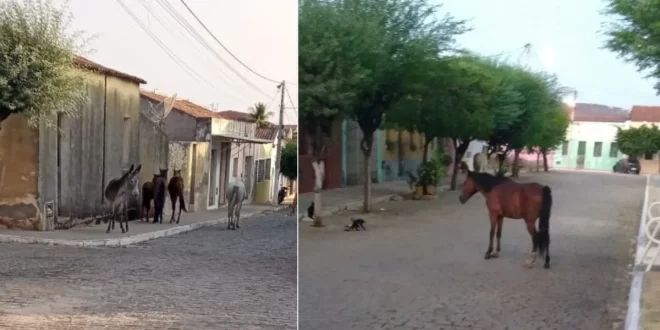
[
  {"x": 506, "y": 198},
  {"x": 158, "y": 183},
  {"x": 175, "y": 188}
]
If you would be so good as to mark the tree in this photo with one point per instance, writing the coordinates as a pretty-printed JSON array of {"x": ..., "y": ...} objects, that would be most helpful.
[
  {"x": 634, "y": 34},
  {"x": 551, "y": 134},
  {"x": 260, "y": 115},
  {"x": 403, "y": 34},
  {"x": 37, "y": 71},
  {"x": 638, "y": 141},
  {"x": 538, "y": 94},
  {"x": 289, "y": 164},
  {"x": 327, "y": 89}
]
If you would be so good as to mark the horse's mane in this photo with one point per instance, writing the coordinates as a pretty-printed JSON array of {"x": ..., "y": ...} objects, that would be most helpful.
[{"x": 487, "y": 181}]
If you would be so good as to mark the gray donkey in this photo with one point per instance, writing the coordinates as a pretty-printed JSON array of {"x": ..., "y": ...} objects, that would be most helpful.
[{"x": 117, "y": 194}]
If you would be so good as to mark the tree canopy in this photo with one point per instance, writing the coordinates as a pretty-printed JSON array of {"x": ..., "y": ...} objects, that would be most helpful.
[
  {"x": 260, "y": 114},
  {"x": 638, "y": 141},
  {"x": 289, "y": 162},
  {"x": 37, "y": 74},
  {"x": 633, "y": 34}
]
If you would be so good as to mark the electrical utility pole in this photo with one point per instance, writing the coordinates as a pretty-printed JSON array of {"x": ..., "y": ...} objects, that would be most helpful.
[{"x": 278, "y": 150}]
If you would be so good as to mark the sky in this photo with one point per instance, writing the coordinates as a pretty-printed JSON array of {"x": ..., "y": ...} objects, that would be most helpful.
[
  {"x": 263, "y": 34},
  {"x": 566, "y": 39}
]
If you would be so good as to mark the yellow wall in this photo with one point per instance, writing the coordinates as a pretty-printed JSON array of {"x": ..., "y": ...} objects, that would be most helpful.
[
  {"x": 261, "y": 192},
  {"x": 19, "y": 162},
  {"x": 392, "y": 136}
]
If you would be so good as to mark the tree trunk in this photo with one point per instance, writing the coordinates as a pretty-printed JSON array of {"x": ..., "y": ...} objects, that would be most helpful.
[
  {"x": 515, "y": 168},
  {"x": 319, "y": 173},
  {"x": 538, "y": 161},
  {"x": 425, "y": 157},
  {"x": 545, "y": 160},
  {"x": 366, "y": 146},
  {"x": 459, "y": 151},
  {"x": 501, "y": 157}
]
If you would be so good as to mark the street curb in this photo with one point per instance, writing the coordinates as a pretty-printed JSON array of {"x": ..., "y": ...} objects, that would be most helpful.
[
  {"x": 356, "y": 205},
  {"x": 129, "y": 240}
]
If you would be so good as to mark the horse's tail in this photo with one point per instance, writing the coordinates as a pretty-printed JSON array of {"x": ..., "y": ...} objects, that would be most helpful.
[
  {"x": 543, "y": 234},
  {"x": 182, "y": 202},
  {"x": 233, "y": 201}
]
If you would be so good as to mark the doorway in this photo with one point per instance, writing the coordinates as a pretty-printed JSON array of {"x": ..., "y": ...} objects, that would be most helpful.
[{"x": 582, "y": 150}]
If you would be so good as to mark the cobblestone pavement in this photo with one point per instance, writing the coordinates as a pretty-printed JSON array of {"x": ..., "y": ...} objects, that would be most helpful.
[
  {"x": 206, "y": 279},
  {"x": 420, "y": 264}
]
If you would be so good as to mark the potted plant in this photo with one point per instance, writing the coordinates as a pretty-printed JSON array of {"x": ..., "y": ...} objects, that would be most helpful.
[{"x": 428, "y": 175}]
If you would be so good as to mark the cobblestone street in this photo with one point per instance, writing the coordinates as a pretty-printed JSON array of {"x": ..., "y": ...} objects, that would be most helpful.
[
  {"x": 420, "y": 264},
  {"x": 205, "y": 279}
]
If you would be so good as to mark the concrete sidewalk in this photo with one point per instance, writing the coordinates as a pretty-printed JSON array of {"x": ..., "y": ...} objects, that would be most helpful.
[
  {"x": 95, "y": 235},
  {"x": 351, "y": 198}
]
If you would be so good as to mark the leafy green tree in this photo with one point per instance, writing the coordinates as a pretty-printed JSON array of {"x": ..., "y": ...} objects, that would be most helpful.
[
  {"x": 551, "y": 133},
  {"x": 329, "y": 44},
  {"x": 638, "y": 141},
  {"x": 260, "y": 115},
  {"x": 37, "y": 74},
  {"x": 404, "y": 33},
  {"x": 538, "y": 94},
  {"x": 633, "y": 34},
  {"x": 289, "y": 163}
]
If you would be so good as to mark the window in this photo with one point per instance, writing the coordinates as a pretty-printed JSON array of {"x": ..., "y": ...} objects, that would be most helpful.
[
  {"x": 263, "y": 170},
  {"x": 234, "y": 171},
  {"x": 564, "y": 148},
  {"x": 582, "y": 148},
  {"x": 614, "y": 150},
  {"x": 598, "y": 149}
]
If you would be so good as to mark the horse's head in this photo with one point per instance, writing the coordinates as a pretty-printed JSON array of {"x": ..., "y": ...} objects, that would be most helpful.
[
  {"x": 176, "y": 173},
  {"x": 132, "y": 181},
  {"x": 470, "y": 188},
  {"x": 163, "y": 172}
]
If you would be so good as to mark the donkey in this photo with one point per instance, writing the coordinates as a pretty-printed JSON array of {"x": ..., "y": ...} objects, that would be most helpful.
[
  {"x": 175, "y": 188},
  {"x": 158, "y": 183},
  {"x": 117, "y": 194},
  {"x": 235, "y": 197},
  {"x": 148, "y": 195}
]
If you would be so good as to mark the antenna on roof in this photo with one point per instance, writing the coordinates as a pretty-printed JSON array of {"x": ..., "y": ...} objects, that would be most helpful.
[{"x": 167, "y": 104}]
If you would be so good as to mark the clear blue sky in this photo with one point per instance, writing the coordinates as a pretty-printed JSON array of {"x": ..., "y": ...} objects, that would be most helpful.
[{"x": 566, "y": 40}]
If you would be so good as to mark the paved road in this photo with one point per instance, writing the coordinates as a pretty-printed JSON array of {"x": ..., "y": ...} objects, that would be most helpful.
[
  {"x": 420, "y": 264},
  {"x": 206, "y": 279}
]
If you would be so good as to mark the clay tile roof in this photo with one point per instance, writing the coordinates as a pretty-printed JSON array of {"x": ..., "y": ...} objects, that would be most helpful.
[
  {"x": 236, "y": 115},
  {"x": 647, "y": 113},
  {"x": 600, "y": 113},
  {"x": 267, "y": 133},
  {"x": 89, "y": 65},
  {"x": 185, "y": 106}
]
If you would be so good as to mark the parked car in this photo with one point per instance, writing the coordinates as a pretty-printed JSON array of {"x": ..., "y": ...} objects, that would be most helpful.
[{"x": 628, "y": 166}]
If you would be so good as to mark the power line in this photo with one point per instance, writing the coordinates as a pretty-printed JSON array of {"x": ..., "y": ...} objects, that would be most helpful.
[
  {"x": 184, "y": 23},
  {"x": 192, "y": 73},
  {"x": 167, "y": 27},
  {"x": 290, "y": 98},
  {"x": 223, "y": 46}
]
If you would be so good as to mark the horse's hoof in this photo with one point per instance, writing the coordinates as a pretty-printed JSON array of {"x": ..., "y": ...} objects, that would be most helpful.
[
  {"x": 529, "y": 264},
  {"x": 546, "y": 266},
  {"x": 107, "y": 231},
  {"x": 487, "y": 256},
  {"x": 494, "y": 255}
]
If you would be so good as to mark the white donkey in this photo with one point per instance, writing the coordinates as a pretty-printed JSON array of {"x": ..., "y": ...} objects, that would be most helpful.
[
  {"x": 117, "y": 194},
  {"x": 235, "y": 197}
]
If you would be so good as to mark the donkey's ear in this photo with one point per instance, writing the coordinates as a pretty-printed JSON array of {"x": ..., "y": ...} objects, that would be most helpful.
[
  {"x": 130, "y": 170},
  {"x": 137, "y": 170}
]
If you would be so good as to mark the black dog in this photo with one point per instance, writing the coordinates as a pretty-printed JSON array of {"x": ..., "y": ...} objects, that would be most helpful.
[
  {"x": 357, "y": 223},
  {"x": 310, "y": 211}
]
